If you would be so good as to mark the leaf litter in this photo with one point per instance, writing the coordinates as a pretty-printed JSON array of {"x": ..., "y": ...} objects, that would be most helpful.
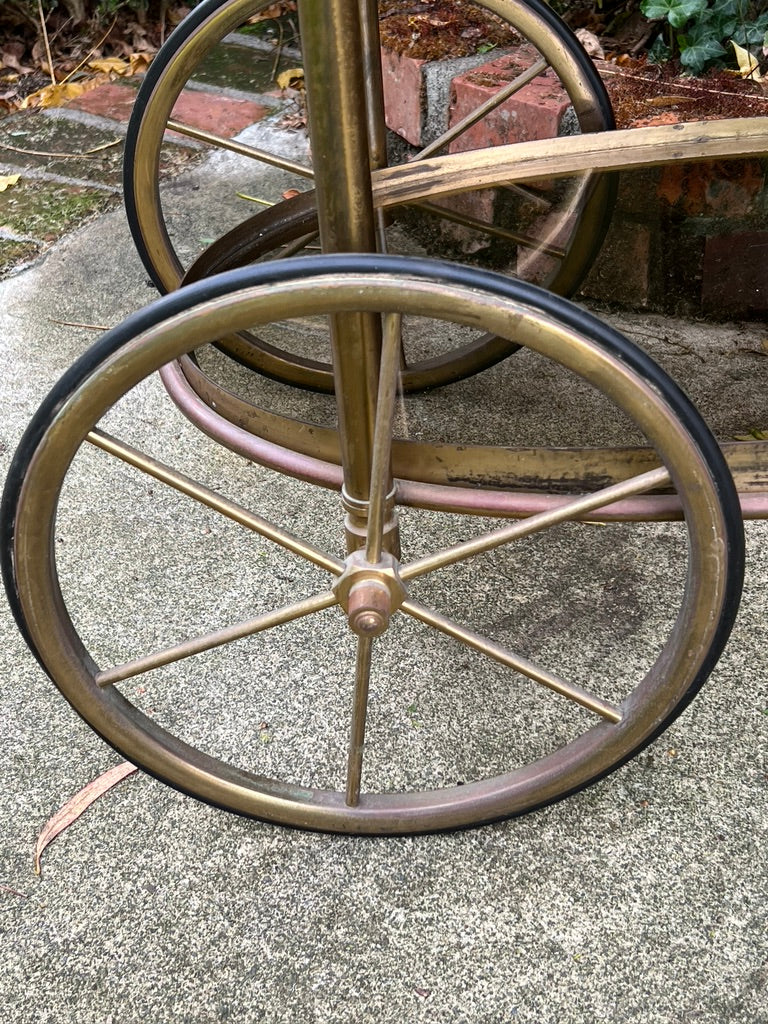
[{"x": 78, "y": 804}]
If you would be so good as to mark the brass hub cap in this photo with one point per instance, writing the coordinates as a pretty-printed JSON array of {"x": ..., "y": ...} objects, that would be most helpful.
[{"x": 370, "y": 592}]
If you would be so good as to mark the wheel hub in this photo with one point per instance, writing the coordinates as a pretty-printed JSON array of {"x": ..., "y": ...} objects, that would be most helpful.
[{"x": 369, "y": 592}]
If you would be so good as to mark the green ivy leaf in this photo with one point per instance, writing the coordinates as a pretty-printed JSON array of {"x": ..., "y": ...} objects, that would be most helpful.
[
  {"x": 751, "y": 34},
  {"x": 726, "y": 13},
  {"x": 659, "y": 52},
  {"x": 695, "y": 54},
  {"x": 676, "y": 12}
]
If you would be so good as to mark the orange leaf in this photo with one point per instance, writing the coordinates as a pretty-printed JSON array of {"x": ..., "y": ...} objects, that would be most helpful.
[
  {"x": 139, "y": 62},
  {"x": 110, "y": 65},
  {"x": 56, "y": 95},
  {"x": 79, "y": 803}
]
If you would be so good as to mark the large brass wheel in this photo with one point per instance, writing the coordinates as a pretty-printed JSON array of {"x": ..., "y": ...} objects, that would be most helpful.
[
  {"x": 548, "y": 233},
  {"x": 488, "y": 671}
]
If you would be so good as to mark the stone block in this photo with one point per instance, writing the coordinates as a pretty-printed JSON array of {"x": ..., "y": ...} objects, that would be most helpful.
[
  {"x": 735, "y": 274},
  {"x": 621, "y": 272}
]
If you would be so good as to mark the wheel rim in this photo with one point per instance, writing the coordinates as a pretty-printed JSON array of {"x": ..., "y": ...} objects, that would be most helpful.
[{"x": 244, "y": 297}]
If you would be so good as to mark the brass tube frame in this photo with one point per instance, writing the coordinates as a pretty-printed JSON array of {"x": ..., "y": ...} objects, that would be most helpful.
[{"x": 337, "y": 99}]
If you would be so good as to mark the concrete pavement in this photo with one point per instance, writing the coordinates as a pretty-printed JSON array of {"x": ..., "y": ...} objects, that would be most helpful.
[{"x": 642, "y": 899}]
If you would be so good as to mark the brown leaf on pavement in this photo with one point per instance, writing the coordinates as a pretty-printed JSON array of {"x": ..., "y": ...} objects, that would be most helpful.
[
  {"x": 79, "y": 803},
  {"x": 56, "y": 95}
]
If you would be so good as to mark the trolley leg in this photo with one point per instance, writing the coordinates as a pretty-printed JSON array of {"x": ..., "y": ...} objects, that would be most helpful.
[{"x": 336, "y": 97}]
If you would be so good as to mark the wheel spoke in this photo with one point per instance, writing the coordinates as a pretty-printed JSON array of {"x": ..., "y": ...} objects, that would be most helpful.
[
  {"x": 300, "y": 244},
  {"x": 485, "y": 108},
  {"x": 542, "y": 521},
  {"x": 380, "y": 490},
  {"x": 512, "y": 660},
  {"x": 217, "y": 502},
  {"x": 240, "y": 148},
  {"x": 492, "y": 230},
  {"x": 600, "y": 724},
  {"x": 381, "y": 471},
  {"x": 188, "y": 648},
  {"x": 359, "y": 715}
]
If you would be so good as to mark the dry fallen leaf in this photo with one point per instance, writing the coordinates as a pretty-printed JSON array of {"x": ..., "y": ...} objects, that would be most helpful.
[
  {"x": 139, "y": 62},
  {"x": 590, "y": 42},
  {"x": 56, "y": 95},
  {"x": 10, "y": 57},
  {"x": 79, "y": 803},
  {"x": 8, "y": 181},
  {"x": 110, "y": 65},
  {"x": 748, "y": 63},
  {"x": 293, "y": 78}
]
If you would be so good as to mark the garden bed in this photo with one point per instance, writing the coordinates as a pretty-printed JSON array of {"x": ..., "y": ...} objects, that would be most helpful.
[{"x": 684, "y": 239}]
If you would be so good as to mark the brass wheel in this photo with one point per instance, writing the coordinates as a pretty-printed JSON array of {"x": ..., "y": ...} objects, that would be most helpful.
[
  {"x": 475, "y": 696},
  {"x": 548, "y": 233}
]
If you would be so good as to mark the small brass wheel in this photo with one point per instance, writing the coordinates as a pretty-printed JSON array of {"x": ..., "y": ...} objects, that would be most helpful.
[
  {"x": 548, "y": 233},
  {"x": 488, "y": 670},
  {"x": 260, "y": 238}
]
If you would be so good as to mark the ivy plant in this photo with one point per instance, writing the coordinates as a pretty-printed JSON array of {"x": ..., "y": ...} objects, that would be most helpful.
[{"x": 701, "y": 32}]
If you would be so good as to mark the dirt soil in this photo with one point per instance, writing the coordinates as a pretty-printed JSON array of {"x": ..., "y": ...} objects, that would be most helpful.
[
  {"x": 433, "y": 29},
  {"x": 641, "y": 93}
]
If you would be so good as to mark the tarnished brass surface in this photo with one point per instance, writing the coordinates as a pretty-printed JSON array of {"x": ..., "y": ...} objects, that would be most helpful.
[
  {"x": 233, "y": 146},
  {"x": 336, "y": 99},
  {"x": 547, "y": 470},
  {"x": 363, "y": 300},
  {"x": 370, "y": 587},
  {"x": 616, "y": 729}
]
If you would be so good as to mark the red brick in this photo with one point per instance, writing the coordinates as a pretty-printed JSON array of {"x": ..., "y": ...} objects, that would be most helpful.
[
  {"x": 404, "y": 95},
  {"x": 112, "y": 100},
  {"x": 535, "y": 112},
  {"x": 207, "y": 111},
  {"x": 219, "y": 114},
  {"x": 723, "y": 188}
]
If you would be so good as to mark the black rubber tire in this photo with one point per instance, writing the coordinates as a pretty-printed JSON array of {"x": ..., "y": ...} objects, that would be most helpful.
[{"x": 162, "y": 754}]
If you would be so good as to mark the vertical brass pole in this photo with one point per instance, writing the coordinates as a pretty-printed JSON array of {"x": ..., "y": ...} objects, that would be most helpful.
[
  {"x": 374, "y": 91},
  {"x": 374, "y": 87},
  {"x": 335, "y": 70}
]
